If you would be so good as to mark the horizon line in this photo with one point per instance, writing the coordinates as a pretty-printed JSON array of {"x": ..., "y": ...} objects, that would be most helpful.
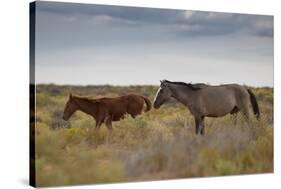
[{"x": 128, "y": 85}]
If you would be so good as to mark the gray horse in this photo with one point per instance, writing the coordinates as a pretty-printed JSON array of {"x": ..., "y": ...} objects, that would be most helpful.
[{"x": 208, "y": 101}]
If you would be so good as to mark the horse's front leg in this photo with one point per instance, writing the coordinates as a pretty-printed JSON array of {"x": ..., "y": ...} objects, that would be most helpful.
[
  {"x": 196, "y": 125},
  {"x": 98, "y": 124},
  {"x": 93, "y": 133},
  {"x": 202, "y": 126},
  {"x": 108, "y": 123},
  {"x": 199, "y": 125}
]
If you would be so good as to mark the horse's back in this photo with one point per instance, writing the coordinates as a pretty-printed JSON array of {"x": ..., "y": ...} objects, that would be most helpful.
[
  {"x": 222, "y": 98},
  {"x": 134, "y": 97},
  {"x": 226, "y": 89},
  {"x": 117, "y": 107},
  {"x": 121, "y": 101},
  {"x": 135, "y": 103},
  {"x": 238, "y": 90}
]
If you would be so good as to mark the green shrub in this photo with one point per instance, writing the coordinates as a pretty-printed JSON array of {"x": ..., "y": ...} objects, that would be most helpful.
[{"x": 160, "y": 144}]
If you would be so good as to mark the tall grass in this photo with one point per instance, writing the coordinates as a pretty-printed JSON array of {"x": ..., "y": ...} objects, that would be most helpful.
[{"x": 160, "y": 144}]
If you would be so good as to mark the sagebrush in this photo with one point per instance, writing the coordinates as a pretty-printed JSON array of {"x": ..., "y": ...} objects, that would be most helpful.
[{"x": 160, "y": 144}]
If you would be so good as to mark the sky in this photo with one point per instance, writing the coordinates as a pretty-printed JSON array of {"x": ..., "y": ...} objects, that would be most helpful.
[{"x": 86, "y": 44}]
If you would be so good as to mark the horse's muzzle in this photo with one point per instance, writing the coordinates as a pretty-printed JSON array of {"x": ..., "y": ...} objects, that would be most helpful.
[
  {"x": 64, "y": 118},
  {"x": 156, "y": 106}
]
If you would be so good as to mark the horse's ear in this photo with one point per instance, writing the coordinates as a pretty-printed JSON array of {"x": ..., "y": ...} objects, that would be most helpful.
[
  {"x": 161, "y": 81},
  {"x": 70, "y": 96}
]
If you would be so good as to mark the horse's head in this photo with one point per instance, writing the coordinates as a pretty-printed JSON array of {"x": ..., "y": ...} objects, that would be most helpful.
[
  {"x": 163, "y": 94},
  {"x": 69, "y": 108}
]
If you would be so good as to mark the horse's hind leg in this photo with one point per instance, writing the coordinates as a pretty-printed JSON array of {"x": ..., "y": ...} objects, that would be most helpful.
[
  {"x": 246, "y": 114},
  {"x": 234, "y": 112},
  {"x": 234, "y": 118},
  {"x": 109, "y": 126},
  {"x": 133, "y": 116}
]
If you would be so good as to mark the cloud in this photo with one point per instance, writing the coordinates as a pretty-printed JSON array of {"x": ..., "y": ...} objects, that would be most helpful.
[
  {"x": 105, "y": 20},
  {"x": 193, "y": 23},
  {"x": 188, "y": 14},
  {"x": 263, "y": 27},
  {"x": 72, "y": 25},
  {"x": 91, "y": 39},
  {"x": 213, "y": 23}
]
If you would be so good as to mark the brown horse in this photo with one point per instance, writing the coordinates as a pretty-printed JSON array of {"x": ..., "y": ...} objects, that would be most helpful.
[{"x": 105, "y": 110}]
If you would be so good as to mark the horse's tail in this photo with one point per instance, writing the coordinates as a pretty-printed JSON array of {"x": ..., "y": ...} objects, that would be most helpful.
[
  {"x": 147, "y": 102},
  {"x": 254, "y": 103}
]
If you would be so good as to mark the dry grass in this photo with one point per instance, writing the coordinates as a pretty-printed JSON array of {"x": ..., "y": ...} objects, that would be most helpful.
[{"x": 160, "y": 144}]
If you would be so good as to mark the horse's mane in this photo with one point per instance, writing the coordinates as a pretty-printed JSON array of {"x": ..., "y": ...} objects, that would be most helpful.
[{"x": 194, "y": 87}]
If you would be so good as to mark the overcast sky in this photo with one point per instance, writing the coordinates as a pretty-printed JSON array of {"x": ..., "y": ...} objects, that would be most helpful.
[{"x": 94, "y": 44}]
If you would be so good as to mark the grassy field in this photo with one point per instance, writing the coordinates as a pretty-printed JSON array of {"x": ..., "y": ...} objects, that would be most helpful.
[{"x": 160, "y": 144}]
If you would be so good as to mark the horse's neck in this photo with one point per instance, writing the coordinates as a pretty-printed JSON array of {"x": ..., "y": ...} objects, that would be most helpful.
[
  {"x": 86, "y": 106},
  {"x": 184, "y": 95}
]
